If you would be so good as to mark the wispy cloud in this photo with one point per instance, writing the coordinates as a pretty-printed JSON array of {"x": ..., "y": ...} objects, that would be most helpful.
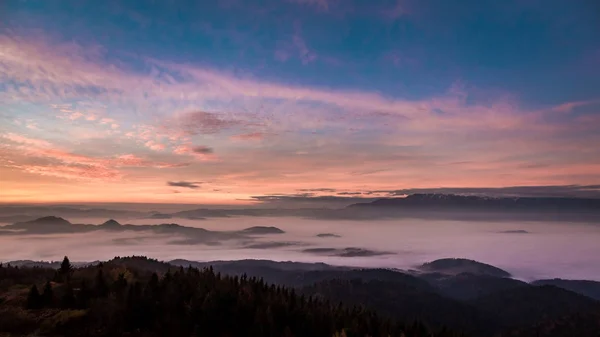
[
  {"x": 64, "y": 164},
  {"x": 198, "y": 122},
  {"x": 200, "y": 152},
  {"x": 296, "y": 47},
  {"x": 163, "y": 111},
  {"x": 249, "y": 136},
  {"x": 202, "y": 149},
  {"x": 184, "y": 184}
]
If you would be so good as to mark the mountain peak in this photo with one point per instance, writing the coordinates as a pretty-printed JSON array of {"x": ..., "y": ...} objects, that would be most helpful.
[
  {"x": 50, "y": 220},
  {"x": 111, "y": 223}
]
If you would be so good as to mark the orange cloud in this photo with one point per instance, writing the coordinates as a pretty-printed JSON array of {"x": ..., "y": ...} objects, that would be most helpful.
[{"x": 74, "y": 166}]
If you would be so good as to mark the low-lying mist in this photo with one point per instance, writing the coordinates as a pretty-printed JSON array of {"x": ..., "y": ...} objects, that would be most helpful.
[{"x": 529, "y": 250}]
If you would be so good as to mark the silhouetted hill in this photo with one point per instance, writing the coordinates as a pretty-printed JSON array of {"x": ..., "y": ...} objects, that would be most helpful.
[
  {"x": 244, "y": 266},
  {"x": 72, "y": 211},
  {"x": 468, "y": 286},
  {"x": 586, "y": 324},
  {"x": 111, "y": 224},
  {"x": 44, "y": 221},
  {"x": 160, "y": 216},
  {"x": 478, "y": 303},
  {"x": 484, "y": 203},
  {"x": 44, "y": 264},
  {"x": 117, "y": 298},
  {"x": 140, "y": 263},
  {"x": 263, "y": 230},
  {"x": 458, "y": 207},
  {"x": 47, "y": 224},
  {"x": 402, "y": 300},
  {"x": 328, "y": 235},
  {"x": 584, "y": 287},
  {"x": 182, "y": 234},
  {"x": 525, "y": 306},
  {"x": 455, "y": 266}
]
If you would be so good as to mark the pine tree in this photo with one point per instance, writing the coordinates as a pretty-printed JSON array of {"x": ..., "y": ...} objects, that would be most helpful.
[
  {"x": 65, "y": 269},
  {"x": 100, "y": 286},
  {"x": 84, "y": 295},
  {"x": 34, "y": 300},
  {"x": 68, "y": 299},
  {"x": 48, "y": 295},
  {"x": 120, "y": 286}
]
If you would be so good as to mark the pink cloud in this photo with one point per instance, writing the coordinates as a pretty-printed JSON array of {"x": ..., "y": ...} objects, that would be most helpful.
[
  {"x": 569, "y": 106},
  {"x": 493, "y": 131},
  {"x": 46, "y": 67},
  {"x": 200, "y": 152},
  {"x": 304, "y": 53},
  {"x": 65, "y": 164},
  {"x": 198, "y": 122},
  {"x": 77, "y": 172},
  {"x": 15, "y": 138},
  {"x": 152, "y": 145},
  {"x": 297, "y": 47},
  {"x": 75, "y": 115},
  {"x": 249, "y": 136},
  {"x": 31, "y": 125},
  {"x": 107, "y": 120}
]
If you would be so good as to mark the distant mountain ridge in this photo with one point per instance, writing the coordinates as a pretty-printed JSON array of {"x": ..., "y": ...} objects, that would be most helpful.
[
  {"x": 181, "y": 234},
  {"x": 584, "y": 287},
  {"x": 453, "y": 201}
]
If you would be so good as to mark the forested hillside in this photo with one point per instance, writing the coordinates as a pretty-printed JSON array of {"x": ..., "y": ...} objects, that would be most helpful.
[
  {"x": 138, "y": 296},
  {"x": 143, "y": 297}
]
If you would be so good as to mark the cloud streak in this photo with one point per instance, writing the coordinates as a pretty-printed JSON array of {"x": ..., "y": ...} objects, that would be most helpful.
[{"x": 185, "y": 184}]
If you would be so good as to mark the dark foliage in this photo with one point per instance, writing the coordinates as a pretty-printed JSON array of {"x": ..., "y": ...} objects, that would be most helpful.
[
  {"x": 65, "y": 269},
  {"x": 11, "y": 276},
  {"x": 525, "y": 306},
  {"x": 194, "y": 302},
  {"x": 34, "y": 300},
  {"x": 48, "y": 295},
  {"x": 137, "y": 296}
]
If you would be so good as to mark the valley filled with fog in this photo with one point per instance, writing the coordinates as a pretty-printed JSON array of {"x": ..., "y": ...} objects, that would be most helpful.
[{"x": 528, "y": 250}]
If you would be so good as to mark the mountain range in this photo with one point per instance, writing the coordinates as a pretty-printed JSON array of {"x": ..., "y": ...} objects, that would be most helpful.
[{"x": 438, "y": 206}]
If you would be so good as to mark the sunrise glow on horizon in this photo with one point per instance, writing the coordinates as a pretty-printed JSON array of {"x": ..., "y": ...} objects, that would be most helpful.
[{"x": 218, "y": 102}]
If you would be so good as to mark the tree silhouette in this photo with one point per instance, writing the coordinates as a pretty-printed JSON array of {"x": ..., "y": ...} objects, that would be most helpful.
[
  {"x": 100, "y": 287},
  {"x": 34, "y": 300},
  {"x": 48, "y": 295},
  {"x": 84, "y": 295},
  {"x": 68, "y": 299},
  {"x": 65, "y": 267}
]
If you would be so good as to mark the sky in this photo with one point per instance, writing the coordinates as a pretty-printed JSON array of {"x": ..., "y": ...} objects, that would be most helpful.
[{"x": 222, "y": 101}]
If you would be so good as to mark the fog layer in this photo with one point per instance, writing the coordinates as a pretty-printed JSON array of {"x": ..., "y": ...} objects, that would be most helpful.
[{"x": 528, "y": 250}]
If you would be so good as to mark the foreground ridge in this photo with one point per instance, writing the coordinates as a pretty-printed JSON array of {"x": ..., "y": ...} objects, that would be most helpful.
[{"x": 113, "y": 298}]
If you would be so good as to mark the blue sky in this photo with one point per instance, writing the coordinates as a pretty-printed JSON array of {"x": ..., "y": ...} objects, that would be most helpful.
[{"x": 397, "y": 85}]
